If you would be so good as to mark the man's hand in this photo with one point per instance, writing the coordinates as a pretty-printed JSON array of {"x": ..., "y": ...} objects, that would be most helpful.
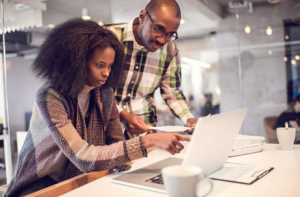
[
  {"x": 134, "y": 123},
  {"x": 190, "y": 123},
  {"x": 166, "y": 141}
]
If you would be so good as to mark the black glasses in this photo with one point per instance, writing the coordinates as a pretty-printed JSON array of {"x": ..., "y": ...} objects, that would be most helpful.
[{"x": 161, "y": 32}]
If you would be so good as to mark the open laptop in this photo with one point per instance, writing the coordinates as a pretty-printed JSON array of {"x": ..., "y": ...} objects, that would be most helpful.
[{"x": 209, "y": 148}]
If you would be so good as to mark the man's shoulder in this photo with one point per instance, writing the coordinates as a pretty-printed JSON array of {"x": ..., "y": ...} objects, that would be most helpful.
[
  {"x": 117, "y": 29},
  {"x": 116, "y": 26}
]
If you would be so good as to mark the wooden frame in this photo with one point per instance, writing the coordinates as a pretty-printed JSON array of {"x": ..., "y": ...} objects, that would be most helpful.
[{"x": 69, "y": 185}]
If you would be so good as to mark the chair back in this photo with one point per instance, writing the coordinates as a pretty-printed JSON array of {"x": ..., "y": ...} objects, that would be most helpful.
[{"x": 269, "y": 124}]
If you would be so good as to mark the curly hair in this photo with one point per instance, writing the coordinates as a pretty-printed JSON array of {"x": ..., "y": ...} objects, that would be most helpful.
[{"x": 62, "y": 57}]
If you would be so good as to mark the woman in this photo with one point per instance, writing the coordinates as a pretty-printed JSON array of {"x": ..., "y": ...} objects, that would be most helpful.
[{"x": 75, "y": 125}]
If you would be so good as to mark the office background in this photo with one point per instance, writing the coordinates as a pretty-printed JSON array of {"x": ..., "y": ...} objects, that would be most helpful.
[{"x": 234, "y": 54}]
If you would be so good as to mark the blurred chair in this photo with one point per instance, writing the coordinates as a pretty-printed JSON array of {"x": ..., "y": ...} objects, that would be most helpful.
[{"x": 269, "y": 123}]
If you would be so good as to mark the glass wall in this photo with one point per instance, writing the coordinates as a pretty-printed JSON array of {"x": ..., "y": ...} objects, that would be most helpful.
[{"x": 254, "y": 58}]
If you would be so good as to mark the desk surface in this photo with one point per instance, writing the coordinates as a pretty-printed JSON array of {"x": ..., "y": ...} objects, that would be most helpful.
[{"x": 282, "y": 181}]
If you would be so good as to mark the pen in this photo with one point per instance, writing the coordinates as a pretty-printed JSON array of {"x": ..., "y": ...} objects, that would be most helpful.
[{"x": 256, "y": 172}]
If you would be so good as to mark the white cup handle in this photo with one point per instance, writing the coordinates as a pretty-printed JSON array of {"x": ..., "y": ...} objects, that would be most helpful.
[{"x": 209, "y": 181}]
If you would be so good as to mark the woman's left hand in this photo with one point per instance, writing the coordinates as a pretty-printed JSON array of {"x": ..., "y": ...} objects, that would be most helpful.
[{"x": 123, "y": 167}]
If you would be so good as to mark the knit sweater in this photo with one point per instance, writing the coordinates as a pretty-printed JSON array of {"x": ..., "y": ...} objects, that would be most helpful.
[
  {"x": 59, "y": 145},
  {"x": 84, "y": 98}
]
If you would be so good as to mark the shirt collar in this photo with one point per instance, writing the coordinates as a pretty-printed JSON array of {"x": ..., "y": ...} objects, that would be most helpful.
[{"x": 129, "y": 36}]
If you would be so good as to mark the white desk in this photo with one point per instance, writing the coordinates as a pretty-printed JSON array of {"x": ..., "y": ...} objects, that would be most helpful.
[{"x": 283, "y": 181}]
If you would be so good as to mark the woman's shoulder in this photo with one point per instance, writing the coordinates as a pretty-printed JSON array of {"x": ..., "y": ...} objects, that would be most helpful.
[
  {"x": 106, "y": 95},
  {"x": 46, "y": 92},
  {"x": 107, "y": 90}
]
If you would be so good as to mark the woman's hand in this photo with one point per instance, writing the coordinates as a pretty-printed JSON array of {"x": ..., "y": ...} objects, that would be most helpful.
[
  {"x": 166, "y": 141},
  {"x": 123, "y": 167},
  {"x": 134, "y": 123}
]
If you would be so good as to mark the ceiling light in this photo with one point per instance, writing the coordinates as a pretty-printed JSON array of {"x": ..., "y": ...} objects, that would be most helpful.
[
  {"x": 274, "y": 1},
  {"x": 19, "y": 16},
  {"x": 293, "y": 62},
  {"x": 100, "y": 22},
  {"x": 286, "y": 37},
  {"x": 247, "y": 29},
  {"x": 269, "y": 31},
  {"x": 297, "y": 57},
  {"x": 285, "y": 59},
  {"x": 84, "y": 14},
  {"x": 193, "y": 62},
  {"x": 50, "y": 26},
  {"x": 217, "y": 90},
  {"x": 239, "y": 6},
  {"x": 295, "y": 15},
  {"x": 182, "y": 21},
  {"x": 186, "y": 66},
  {"x": 86, "y": 18}
]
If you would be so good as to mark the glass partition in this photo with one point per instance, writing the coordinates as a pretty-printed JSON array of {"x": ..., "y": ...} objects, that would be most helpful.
[{"x": 5, "y": 141}]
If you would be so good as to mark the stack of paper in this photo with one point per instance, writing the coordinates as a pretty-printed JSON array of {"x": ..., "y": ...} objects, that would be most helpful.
[{"x": 246, "y": 144}]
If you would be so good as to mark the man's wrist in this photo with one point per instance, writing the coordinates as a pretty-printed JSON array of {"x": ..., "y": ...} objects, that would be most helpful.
[{"x": 187, "y": 120}]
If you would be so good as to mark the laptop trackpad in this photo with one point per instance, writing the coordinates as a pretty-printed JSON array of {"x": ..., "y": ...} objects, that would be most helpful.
[{"x": 137, "y": 178}]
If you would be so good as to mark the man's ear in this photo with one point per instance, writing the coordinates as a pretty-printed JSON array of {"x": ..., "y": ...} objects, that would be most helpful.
[{"x": 142, "y": 16}]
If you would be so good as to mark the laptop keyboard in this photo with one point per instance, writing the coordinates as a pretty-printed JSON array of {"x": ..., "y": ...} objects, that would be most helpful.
[{"x": 156, "y": 179}]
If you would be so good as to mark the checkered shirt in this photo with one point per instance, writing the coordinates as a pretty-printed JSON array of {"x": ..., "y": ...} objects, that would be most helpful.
[{"x": 144, "y": 72}]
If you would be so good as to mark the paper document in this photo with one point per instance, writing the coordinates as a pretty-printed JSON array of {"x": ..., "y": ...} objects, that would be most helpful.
[
  {"x": 245, "y": 151},
  {"x": 245, "y": 144},
  {"x": 175, "y": 128},
  {"x": 171, "y": 128},
  {"x": 240, "y": 173}
]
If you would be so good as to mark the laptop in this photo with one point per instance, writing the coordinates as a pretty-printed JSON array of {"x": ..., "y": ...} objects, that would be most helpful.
[{"x": 209, "y": 148}]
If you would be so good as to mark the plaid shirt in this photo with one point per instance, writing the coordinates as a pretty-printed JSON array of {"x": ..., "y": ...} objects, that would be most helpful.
[{"x": 146, "y": 71}]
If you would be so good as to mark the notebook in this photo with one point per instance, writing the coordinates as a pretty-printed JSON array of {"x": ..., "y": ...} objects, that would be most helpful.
[
  {"x": 209, "y": 148},
  {"x": 240, "y": 173}
]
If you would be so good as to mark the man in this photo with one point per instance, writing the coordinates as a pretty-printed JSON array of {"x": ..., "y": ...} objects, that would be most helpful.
[
  {"x": 292, "y": 117},
  {"x": 151, "y": 61}
]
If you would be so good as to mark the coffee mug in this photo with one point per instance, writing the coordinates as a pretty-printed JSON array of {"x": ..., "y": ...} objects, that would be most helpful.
[
  {"x": 286, "y": 137},
  {"x": 183, "y": 181}
]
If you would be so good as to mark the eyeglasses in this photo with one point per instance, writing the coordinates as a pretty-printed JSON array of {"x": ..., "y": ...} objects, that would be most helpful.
[{"x": 161, "y": 32}]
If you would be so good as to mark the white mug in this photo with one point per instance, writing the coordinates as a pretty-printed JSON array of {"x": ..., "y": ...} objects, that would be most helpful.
[
  {"x": 286, "y": 137},
  {"x": 183, "y": 181}
]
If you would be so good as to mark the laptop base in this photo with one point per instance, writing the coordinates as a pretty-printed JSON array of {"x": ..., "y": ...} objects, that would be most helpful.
[{"x": 138, "y": 178}]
